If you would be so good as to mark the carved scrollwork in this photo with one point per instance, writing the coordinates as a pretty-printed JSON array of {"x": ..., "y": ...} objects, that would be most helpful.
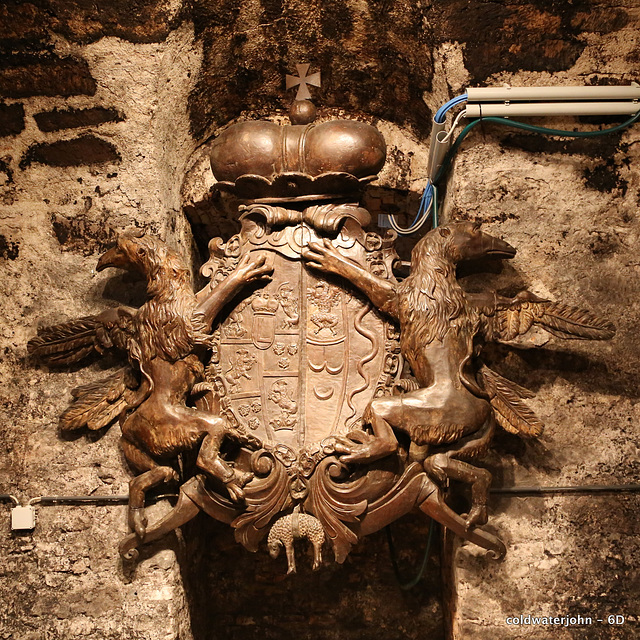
[
  {"x": 265, "y": 496},
  {"x": 322, "y": 365},
  {"x": 223, "y": 258},
  {"x": 325, "y": 217},
  {"x": 335, "y": 499}
]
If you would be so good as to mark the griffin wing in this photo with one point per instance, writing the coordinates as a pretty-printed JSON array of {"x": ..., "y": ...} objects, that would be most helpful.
[
  {"x": 98, "y": 404},
  {"x": 512, "y": 317},
  {"x": 506, "y": 398},
  {"x": 72, "y": 341}
]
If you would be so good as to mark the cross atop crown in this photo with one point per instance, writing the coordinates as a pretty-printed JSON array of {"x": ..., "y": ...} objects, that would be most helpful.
[{"x": 302, "y": 80}]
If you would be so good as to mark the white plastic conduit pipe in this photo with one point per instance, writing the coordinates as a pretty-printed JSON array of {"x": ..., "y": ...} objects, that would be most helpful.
[
  {"x": 552, "y": 101},
  {"x": 551, "y": 94}
]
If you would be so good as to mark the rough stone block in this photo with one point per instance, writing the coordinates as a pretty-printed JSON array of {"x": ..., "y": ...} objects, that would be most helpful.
[
  {"x": 82, "y": 234},
  {"x": 11, "y": 119},
  {"x": 22, "y": 76},
  {"x": 74, "y": 118},
  {"x": 9, "y": 250},
  {"x": 5, "y": 169},
  {"x": 87, "y": 149},
  {"x": 140, "y": 21},
  {"x": 20, "y": 22}
]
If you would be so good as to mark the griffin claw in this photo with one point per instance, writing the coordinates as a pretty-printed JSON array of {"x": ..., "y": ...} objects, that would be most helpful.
[{"x": 138, "y": 522}]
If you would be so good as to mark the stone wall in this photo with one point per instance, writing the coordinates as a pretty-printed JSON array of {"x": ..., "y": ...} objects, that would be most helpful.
[{"x": 103, "y": 111}]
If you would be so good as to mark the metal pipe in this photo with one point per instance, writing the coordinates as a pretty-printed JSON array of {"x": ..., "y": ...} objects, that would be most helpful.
[
  {"x": 124, "y": 499},
  {"x": 595, "y": 488},
  {"x": 498, "y": 94},
  {"x": 115, "y": 499},
  {"x": 121, "y": 499},
  {"x": 551, "y": 109}
]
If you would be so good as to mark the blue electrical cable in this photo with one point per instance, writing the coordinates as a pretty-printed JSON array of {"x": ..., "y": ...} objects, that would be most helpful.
[
  {"x": 429, "y": 195},
  {"x": 434, "y": 220},
  {"x": 442, "y": 111},
  {"x": 425, "y": 200}
]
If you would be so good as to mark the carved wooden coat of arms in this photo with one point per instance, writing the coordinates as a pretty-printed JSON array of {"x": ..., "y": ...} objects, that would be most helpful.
[{"x": 305, "y": 391}]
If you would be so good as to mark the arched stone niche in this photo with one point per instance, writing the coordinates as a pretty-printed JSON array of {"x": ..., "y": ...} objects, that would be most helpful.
[{"x": 178, "y": 72}]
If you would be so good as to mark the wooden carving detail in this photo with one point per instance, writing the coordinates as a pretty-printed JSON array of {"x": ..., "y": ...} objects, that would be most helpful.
[
  {"x": 452, "y": 410},
  {"x": 305, "y": 392},
  {"x": 151, "y": 397}
]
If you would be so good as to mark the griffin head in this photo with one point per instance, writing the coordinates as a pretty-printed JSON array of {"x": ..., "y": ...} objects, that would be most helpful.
[
  {"x": 461, "y": 241},
  {"x": 145, "y": 254}
]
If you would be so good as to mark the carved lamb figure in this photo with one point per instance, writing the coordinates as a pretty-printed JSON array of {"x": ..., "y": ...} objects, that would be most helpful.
[{"x": 292, "y": 526}]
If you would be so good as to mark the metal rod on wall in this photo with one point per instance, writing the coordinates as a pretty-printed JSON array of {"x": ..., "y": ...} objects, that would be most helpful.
[
  {"x": 124, "y": 499},
  {"x": 596, "y": 488}
]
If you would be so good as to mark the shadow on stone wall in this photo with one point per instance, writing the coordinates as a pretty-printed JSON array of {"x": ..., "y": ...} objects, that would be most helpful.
[{"x": 234, "y": 594}]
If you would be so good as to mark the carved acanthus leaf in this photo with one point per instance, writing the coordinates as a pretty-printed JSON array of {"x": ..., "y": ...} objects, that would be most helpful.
[
  {"x": 266, "y": 496},
  {"x": 335, "y": 502}
]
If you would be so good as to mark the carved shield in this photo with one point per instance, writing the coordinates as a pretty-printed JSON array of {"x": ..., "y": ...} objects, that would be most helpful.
[{"x": 300, "y": 358}]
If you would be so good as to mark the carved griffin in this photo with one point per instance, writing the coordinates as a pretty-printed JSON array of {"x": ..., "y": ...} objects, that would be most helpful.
[
  {"x": 153, "y": 396},
  {"x": 296, "y": 461},
  {"x": 451, "y": 413}
]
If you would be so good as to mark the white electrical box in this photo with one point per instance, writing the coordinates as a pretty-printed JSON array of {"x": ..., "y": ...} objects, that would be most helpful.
[{"x": 23, "y": 518}]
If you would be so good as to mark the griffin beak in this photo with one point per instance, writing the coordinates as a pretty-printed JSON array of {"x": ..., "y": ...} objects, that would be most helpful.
[
  {"x": 496, "y": 248},
  {"x": 115, "y": 257}
]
